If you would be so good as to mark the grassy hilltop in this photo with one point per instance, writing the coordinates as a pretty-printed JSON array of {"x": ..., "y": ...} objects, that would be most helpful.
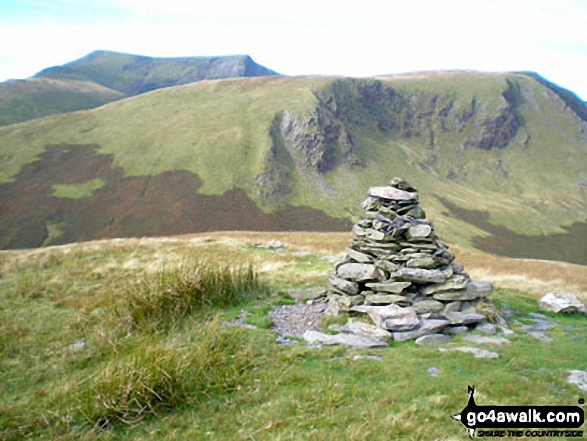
[
  {"x": 498, "y": 159},
  {"x": 123, "y": 339}
]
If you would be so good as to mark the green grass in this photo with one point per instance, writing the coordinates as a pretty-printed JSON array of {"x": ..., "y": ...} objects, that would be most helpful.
[
  {"x": 123, "y": 339},
  {"x": 79, "y": 190}
]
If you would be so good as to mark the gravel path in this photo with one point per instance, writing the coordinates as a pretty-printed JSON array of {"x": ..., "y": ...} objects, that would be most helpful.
[{"x": 294, "y": 320}]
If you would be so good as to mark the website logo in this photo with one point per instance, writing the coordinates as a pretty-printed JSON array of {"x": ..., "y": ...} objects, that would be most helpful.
[{"x": 515, "y": 421}]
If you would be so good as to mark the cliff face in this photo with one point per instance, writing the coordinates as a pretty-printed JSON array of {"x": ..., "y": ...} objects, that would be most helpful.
[{"x": 324, "y": 136}]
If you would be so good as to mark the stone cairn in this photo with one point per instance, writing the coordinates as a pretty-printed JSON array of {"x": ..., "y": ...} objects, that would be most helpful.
[{"x": 398, "y": 272}]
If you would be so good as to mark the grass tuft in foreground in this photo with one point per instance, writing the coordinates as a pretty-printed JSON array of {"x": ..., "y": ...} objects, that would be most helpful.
[{"x": 165, "y": 298}]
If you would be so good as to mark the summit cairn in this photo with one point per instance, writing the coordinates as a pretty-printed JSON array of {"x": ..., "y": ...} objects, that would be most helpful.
[{"x": 398, "y": 272}]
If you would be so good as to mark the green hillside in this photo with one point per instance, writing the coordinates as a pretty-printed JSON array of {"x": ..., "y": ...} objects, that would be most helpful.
[
  {"x": 103, "y": 76},
  {"x": 496, "y": 157},
  {"x": 22, "y": 100}
]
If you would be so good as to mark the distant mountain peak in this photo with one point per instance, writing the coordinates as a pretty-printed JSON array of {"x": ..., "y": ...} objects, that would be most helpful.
[{"x": 135, "y": 74}]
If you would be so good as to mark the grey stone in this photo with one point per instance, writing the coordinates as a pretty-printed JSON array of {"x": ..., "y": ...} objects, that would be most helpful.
[
  {"x": 420, "y": 230},
  {"x": 357, "y": 341},
  {"x": 478, "y": 353},
  {"x": 359, "y": 327},
  {"x": 454, "y": 283},
  {"x": 561, "y": 301},
  {"x": 505, "y": 330},
  {"x": 390, "y": 193},
  {"x": 299, "y": 294},
  {"x": 433, "y": 371},
  {"x": 427, "y": 326},
  {"x": 540, "y": 337},
  {"x": 385, "y": 299},
  {"x": 452, "y": 307},
  {"x": 578, "y": 378},
  {"x": 367, "y": 357},
  {"x": 76, "y": 346},
  {"x": 374, "y": 234},
  {"x": 358, "y": 256},
  {"x": 424, "y": 306},
  {"x": 358, "y": 271},
  {"x": 456, "y": 330},
  {"x": 346, "y": 286},
  {"x": 358, "y": 230},
  {"x": 386, "y": 265},
  {"x": 391, "y": 287},
  {"x": 480, "y": 287},
  {"x": 342, "y": 303},
  {"x": 419, "y": 275},
  {"x": 432, "y": 340},
  {"x": 422, "y": 262},
  {"x": 486, "y": 328},
  {"x": 479, "y": 339},
  {"x": 390, "y": 317},
  {"x": 464, "y": 318},
  {"x": 275, "y": 245},
  {"x": 301, "y": 253}
]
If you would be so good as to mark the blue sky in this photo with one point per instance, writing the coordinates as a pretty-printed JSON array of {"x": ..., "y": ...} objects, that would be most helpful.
[{"x": 308, "y": 37}]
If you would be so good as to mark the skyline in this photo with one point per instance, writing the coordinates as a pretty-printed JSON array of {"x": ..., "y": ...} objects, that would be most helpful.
[{"x": 306, "y": 37}]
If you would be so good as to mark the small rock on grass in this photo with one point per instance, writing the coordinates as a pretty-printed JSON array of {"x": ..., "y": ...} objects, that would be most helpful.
[
  {"x": 357, "y": 341},
  {"x": 432, "y": 339},
  {"x": 367, "y": 357},
  {"x": 578, "y": 378},
  {"x": 478, "y": 353},
  {"x": 479, "y": 339}
]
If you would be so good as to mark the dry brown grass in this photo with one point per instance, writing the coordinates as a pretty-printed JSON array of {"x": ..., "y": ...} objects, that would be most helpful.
[
  {"x": 535, "y": 277},
  {"x": 532, "y": 276}
]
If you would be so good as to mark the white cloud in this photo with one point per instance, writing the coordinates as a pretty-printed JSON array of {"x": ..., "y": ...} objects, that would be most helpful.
[{"x": 320, "y": 37}]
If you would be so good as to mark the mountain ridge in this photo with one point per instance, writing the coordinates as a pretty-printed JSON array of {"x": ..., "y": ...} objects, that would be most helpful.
[
  {"x": 506, "y": 142},
  {"x": 108, "y": 76}
]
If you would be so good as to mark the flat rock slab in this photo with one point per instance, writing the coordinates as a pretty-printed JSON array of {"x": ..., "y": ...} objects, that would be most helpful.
[
  {"x": 479, "y": 339},
  {"x": 358, "y": 272},
  {"x": 432, "y": 340},
  {"x": 356, "y": 341},
  {"x": 353, "y": 326},
  {"x": 391, "y": 193},
  {"x": 346, "y": 286},
  {"x": 464, "y": 318},
  {"x": 427, "y": 326},
  {"x": 454, "y": 283},
  {"x": 367, "y": 357},
  {"x": 390, "y": 317},
  {"x": 486, "y": 328},
  {"x": 540, "y": 336},
  {"x": 561, "y": 301},
  {"x": 390, "y": 287},
  {"x": 578, "y": 378},
  {"x": 478, "y": 353},
  {"x": 419, "y": 275},
  {"x": 419, "y": 231}
]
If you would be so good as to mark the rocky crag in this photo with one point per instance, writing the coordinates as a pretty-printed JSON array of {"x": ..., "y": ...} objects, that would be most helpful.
[{"x": 399, "y": 274}]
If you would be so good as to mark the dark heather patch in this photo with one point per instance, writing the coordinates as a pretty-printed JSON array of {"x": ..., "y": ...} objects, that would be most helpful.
[
  {"x": 566, "y": 247},
  {"x": 165, "y": 204}
]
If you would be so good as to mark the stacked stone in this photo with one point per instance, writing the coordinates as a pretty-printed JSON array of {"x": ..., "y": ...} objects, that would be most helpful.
[{"x": 398, "y": 271}]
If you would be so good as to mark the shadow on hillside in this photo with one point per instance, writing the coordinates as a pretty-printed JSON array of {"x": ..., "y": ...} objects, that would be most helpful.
[
  {"x": 566, "y": 247},
  {"x": 136, "y": 206}
]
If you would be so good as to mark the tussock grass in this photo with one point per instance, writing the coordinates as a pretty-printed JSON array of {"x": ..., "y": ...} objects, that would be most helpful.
[
  {"x": 167, "y": 297},
  {"x": 162, "y": 374}
]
